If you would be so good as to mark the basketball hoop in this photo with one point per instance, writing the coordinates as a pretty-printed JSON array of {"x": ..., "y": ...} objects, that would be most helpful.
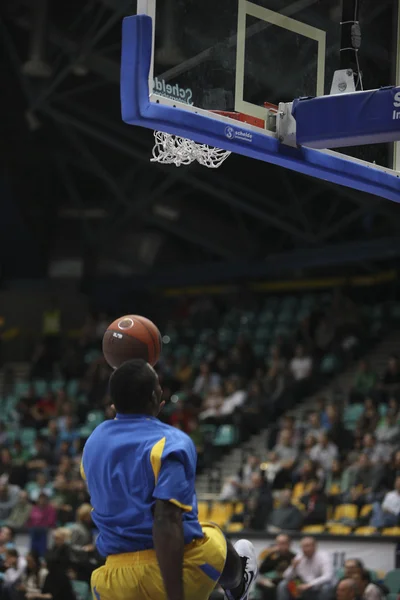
[{"x": 171, "y": 149}]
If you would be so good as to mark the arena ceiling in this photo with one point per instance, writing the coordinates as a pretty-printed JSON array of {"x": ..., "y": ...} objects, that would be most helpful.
[{"x": 84, "y": 181}]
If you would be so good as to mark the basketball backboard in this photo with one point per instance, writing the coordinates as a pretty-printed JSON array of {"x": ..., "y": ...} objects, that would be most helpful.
[{"x": 237, "y": 55}]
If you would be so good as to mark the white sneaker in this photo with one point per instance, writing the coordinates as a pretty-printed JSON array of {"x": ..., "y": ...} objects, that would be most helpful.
[{"x": 246, "y": 550}]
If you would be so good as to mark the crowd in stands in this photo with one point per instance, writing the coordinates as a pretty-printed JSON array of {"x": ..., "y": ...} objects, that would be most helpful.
[
  {"x": 310, "y": 574},
  {"x": 217, "y": 371}
]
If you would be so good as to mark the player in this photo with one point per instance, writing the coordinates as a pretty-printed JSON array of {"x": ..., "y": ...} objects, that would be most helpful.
[{"x": 141, "y": 478}]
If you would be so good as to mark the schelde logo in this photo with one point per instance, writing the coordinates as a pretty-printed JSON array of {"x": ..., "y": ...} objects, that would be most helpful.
[
  {"x": 238, "y": 134},
  {"x": 396, "y": 104},
  {"x": 174, "y": 92}
]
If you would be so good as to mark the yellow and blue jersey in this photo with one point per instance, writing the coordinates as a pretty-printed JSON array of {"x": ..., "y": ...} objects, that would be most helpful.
[{"x": 128, "y": 463}]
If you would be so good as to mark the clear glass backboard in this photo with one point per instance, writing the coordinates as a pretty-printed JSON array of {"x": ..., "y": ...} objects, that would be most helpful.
[{"x": 237, "y": 55}]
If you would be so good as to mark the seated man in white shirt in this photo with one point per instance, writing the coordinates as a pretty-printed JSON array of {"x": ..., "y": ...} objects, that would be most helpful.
[
  {"x": 387, "y": 514},
  {"x": 311, "y": 573}
]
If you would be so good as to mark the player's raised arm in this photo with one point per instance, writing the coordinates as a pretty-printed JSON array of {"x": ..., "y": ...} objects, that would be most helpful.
[{"x": 169, "y": 546}]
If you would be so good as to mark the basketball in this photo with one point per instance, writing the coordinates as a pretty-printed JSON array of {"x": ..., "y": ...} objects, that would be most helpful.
[{"x": 131, "y": 336}]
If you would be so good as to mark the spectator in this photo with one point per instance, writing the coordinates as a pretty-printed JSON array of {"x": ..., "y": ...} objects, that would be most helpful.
[
  {"x": 337, "y": 481},
  {"x": 315, "y": 503},
  {"x": 376, "y": 453},
  {"x": 43, "y": 514},
  {"x": 347, "y": 590},
  {"x": 56, "y": 586},
  {"x": 388, "y": 431},
  {"x": 287, "y": 516},
  {"x": 390, "y": 383},
  {"x": 301, "y": 365},
  {"x": 184, "y": 370},
  {"x": 370, "y": 418},
  {"x": 205, "y": 380},
  {"x": 9, "y": 495},
  {"x": 364, "y": 382},
  {"x": 15, "y": 566},
  {"x": 40, "y": 486},
  {"x": 313, "y": 426},
  {"x": 236, "y": 487},
  {"x": 21, "y": 511},
  {"x": 364, "y": 481},
  {"x": 311, "y": 571},
  {"x": 387, "y": 513},
  {"x": 365, "y": 588},
  {"x": 7, "y": 539},
  {"x": 287, "y": 456},
  {"x": 274, "y": 562},
  {"x": 324, "y": 453},
  {"x": 81, "y": 531},
  {"x": 33, "y": 578}
]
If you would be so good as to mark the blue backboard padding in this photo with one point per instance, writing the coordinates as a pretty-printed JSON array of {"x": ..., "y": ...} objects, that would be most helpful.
[
  {"x": 348, "y": 119},
  {"x": 138, "y": 110}
]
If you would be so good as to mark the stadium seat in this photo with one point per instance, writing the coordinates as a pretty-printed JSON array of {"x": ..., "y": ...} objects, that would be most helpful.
[
  {"x": 94, "y": 418},
  {"x": 40, "y": 387},
  {"x": 234, "y": 527},
  {"x": 81, "y": 589},
  {"x": 391, "y": 531},
  {"x": 221, "y": 512},
  {"x": 339, "y": 530},
  {"x": 329, "y": 364},
  {"x": 366, "y": 510},
  {"x": 392, "y": 581},
  {"x": 22, "y": 388},
  {"x": 57, "y": 385},
  {"x": 226, "y": 435},
  {"x": 352, "y": 414},
  {"x": 203, "y": 510},
  {"x": 28, "y": 436},
  {"x": 313, "y": 529},
  {"x": 365, "y": 530},
  {"x": 72, "y": 387},
  {"x": 345, "y": 511}
]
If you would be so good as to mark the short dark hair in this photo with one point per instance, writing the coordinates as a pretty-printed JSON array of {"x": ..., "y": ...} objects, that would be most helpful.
[
  {"x": 132, "y": 386},
  {"x": 365, "y": 575}
]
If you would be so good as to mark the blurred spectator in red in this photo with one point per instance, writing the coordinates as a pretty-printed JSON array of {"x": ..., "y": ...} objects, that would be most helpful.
[{"x": 43, "y": 514}]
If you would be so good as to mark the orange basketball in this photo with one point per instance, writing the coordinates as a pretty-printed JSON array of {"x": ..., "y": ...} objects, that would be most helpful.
[{"x": 131, "y": 336}]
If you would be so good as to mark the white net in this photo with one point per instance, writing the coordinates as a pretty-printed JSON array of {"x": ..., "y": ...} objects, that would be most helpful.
[{"x": 171, "y": 149}]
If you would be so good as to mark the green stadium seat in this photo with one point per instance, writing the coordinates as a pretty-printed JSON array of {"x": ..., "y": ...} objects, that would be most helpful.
[
  {"x": 22, "y": 388},
  {"x": 41, "y": 386},
  {"x": 91, "y": 356},
  {"x": 94, "y": 418},
  {"x": 266, "y": 317},
  {"x": 72, "y": 387},
  {"x": 28, "y": 436},
  {"x": 352, "y": 414},
  {"x": 205, "y": 335},
  {"x": 226, "y": 435},
  {"x": 392, "y": 581},
  {"x": 85, "y": 431},
  {"x": 330, "y": 364},
  {"x": 57, "y": 385},
  {"x": 382, "y": 408},
  {"x": 260, "y": 350},
  {"x": 262, "y": 334},
  {"x": 285, "y": 317},
  {"x": 181, "y": 351}
]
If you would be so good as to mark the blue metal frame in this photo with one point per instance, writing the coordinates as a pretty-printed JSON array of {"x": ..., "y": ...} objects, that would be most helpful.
[{"x": 137, "y": 109}]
